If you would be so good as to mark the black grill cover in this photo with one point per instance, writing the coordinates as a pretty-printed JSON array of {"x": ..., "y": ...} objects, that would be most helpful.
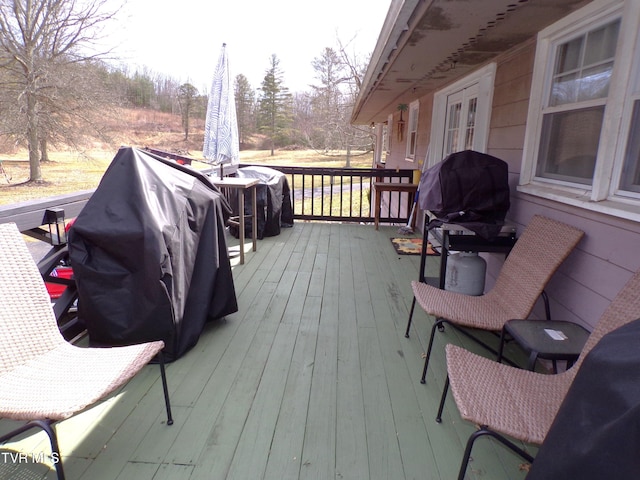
[
  {"x": 273, "y": 199},
  {"x": 149, "y": 254},
  {"x": 467, "y": 188},
  {"x": 596, "y": 433}
]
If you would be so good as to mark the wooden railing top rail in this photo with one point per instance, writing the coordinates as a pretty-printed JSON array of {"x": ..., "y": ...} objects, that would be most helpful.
[
  {"x": 344, "y": 172},
  {"x": 30, "y": 214}
]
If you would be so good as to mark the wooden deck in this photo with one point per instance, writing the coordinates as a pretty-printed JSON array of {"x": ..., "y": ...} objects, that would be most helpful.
[{"x": 312, "y": 379}]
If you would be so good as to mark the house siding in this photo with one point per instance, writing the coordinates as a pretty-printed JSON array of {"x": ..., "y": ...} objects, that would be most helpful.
[
  {"x": 510, "y": 105},
  {"x": 608, "y": 254},
  {"x": 396, "y": 157}
]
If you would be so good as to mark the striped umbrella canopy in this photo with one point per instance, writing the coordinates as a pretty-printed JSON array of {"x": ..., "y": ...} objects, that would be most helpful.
[{"x": 221, "y": 143}]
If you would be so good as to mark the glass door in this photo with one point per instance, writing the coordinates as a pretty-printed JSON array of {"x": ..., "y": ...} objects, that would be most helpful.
[{"x": 460, "y": 123}]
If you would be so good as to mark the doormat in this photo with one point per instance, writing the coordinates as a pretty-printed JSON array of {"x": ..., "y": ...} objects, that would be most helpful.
[{"x": 411, "y": 246}]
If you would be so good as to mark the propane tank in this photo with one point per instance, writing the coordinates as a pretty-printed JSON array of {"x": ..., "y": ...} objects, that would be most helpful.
[{"x": 465, "y": 273}]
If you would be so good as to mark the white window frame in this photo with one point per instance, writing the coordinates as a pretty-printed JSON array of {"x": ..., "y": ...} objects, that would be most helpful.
[
  {"x": 484, "y": 77},
  {"x": 602, "y": 196},
  {"x": 412, "y": 131}
]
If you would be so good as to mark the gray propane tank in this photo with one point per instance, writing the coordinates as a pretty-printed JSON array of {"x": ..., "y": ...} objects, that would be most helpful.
[{"x": 465, "y": 273}]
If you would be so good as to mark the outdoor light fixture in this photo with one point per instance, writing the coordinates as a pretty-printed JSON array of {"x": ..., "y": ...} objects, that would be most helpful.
[{"x": 54, "y": 218}]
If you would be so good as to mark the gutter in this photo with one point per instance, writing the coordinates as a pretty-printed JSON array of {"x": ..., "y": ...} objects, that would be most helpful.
[{"x": 395, "y": 25}]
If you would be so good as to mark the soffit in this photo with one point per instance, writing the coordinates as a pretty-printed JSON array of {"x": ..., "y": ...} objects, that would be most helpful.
[{"x": 425, "y": 45}]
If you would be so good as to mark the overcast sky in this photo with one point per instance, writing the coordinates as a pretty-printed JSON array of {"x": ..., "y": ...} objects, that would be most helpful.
[{"x": 183, "y": 38}]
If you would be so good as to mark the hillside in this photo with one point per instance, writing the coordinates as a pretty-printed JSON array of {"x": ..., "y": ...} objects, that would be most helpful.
[
  {"x": 71, "y": 171},
  {"x": 75, "y": 171},
  {"x": 135, "y": 127},
  {"x": 151, "y": 128}
]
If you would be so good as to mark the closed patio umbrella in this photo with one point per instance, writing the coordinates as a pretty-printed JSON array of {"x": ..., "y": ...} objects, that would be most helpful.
[{"x": 221, "y": 143}]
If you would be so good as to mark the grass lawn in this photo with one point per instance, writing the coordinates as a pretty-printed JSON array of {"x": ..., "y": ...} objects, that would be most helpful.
[{"x": 70, "y": 172}]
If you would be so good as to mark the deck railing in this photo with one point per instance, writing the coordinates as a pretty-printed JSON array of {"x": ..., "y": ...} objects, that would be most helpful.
[
  {"x": 337, "y": 194},
  {"x": 325, "y": 194},
  {"x": 345, "y": 194}
]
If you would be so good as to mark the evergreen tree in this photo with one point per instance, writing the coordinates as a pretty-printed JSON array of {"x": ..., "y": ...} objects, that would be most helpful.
[
  {"x": 141, "y": 90},
  {"x": 245, "y": 108},
  {"x": 274, "y": 114},
  {"x": 187, "y": 95}
]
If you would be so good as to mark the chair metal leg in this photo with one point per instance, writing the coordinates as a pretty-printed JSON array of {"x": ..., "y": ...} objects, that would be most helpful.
[
  {"x": 165, "y": 389},
  {"x": 503, "y": 339},
  {"x": 413, "y": 307},
  {"x": 437, "y": 325},
  {"x": 442, "y": 399},
  {"x": 484, "y": 430},
  {"x": 547, "y": 306},
  {"x": 47, "y": 426}
]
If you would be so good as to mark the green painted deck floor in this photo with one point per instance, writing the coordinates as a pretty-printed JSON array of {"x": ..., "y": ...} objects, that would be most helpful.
[{"x": 311, "y": 379}]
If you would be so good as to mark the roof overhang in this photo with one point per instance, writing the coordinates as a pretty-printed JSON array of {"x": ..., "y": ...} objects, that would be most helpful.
[{"x": 426, "y": 44}]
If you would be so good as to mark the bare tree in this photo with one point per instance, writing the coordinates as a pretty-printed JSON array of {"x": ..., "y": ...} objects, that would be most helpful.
[
  {"x": 328, "y": 102},
  {"x": 340, "y": 78},
  {"x": 168, "y": 93},
  {"x": 303, "y": 120},
  {"x": 72, "y": 117},
  {"x": 43, "y": 43},
  {"x": 360, "y": 138}
]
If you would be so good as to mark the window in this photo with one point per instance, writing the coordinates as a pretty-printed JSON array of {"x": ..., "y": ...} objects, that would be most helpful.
[
  {"x": 412, "y": 134},
  {"x": 574, "y": 111},
  {"x": 387, "y": 135},
  {"x": 630, "y": 178},
  {"x": 461, "y": 115},
  {"x": 569, "y": 144},
  {"x": 462, "y": 107},
  {"x": 583, "y": 131},
  {"x": 626, "y": 176}
]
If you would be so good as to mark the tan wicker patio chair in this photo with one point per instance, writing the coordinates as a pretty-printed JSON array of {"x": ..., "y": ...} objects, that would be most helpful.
[
  {"x": 43, "y": 378},
  {"x": 508, "y": 401},
  {"x": 542, "y": 247}
]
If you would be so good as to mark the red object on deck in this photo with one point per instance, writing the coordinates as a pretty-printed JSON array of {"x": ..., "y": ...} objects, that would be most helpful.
[{"x": 56, "y": 289}]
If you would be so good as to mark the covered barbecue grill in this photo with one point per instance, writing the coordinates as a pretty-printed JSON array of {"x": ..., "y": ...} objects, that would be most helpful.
[
  {"x": 468, "y": 188},
  {"x": 273, "y": 199},
  {"x": 149, "y": 254}
]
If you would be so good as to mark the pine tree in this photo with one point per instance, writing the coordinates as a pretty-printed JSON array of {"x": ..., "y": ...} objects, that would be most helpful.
[
  {"x": 274, "y": 114},
  {"x": 187, "y": 95},
  {"x": 245, "y": 108}
]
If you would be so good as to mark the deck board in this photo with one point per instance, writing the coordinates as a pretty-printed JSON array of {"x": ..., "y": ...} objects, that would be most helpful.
[
  {"x": 351, "y": 443},
  {"x": 311, "y": 379},
  {"x": 284, "y": 461},
  {"x": 319, "y": 444}
]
